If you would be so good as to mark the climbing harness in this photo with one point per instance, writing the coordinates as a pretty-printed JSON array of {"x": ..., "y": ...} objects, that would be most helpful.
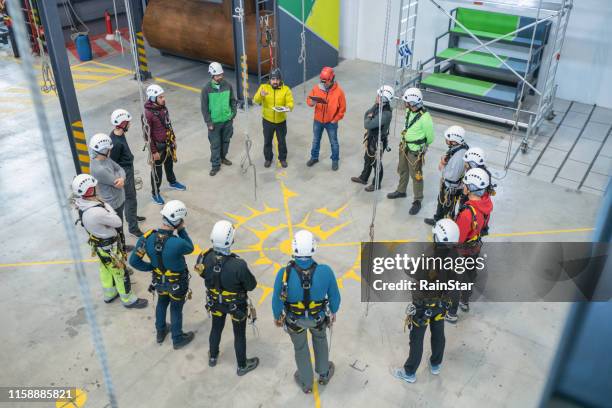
[{"x": 420, "y": 313}]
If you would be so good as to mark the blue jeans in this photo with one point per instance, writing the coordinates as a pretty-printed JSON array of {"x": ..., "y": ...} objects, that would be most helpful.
[
  {"x": 332, "y": 133},
  {"x": 176, "y": 315}
]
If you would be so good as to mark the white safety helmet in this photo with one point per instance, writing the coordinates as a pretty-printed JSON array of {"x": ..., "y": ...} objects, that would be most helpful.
[
  {"x": 304, "y": 244},
  {"x": 215, "y": 69},
  {"x": 445, "y": 231},
  {"x": 414, "y": 97},
  {"x": 119, "y": 116},
  {"x": 100, "y": 143},
  {"x": 474, "y": 157},
  {"x": 173, "y": 212},
  {"x": 153, "y": 91},
  {"x": 222, "y": 235},
  {"x": 455, "y": 134},
  {"x": 386, "y": 93},
  {"x": 82, "y": 183},
  {"x": 476, "y": 180}
]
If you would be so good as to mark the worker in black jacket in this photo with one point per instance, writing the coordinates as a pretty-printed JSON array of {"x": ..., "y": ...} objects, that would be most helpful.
[
  {"x": 378, "y": 116},
  {"x": 228, "y": 280}
]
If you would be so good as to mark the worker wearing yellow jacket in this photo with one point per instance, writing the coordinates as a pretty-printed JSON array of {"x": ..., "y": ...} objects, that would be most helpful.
[{"x": 276, "y": 99}]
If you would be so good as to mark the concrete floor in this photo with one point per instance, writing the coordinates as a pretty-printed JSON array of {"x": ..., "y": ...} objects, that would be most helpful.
[{"x": 497, "y": 355}]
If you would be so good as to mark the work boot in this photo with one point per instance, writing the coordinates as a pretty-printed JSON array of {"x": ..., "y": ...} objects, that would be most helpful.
[
  {"x": 111, "y": 299},
  {"x": 138, "y": 304},
  {"x": 251, "y": 364},
  {"x": 284, "y": 164},
  {"x": 358, "y": 180},
  {"x": 312, "y": 162},
  {"x": 268, "y": 163},
  {"x": 305, "y": 389},
  {"x": 178, "y": 186},
  {"x": 141, "y": 219},
  {"x": 324, "y": 379},
  {"x": 226, "y": 162},
  {"x": 371, "y": 188},
  {"x": 396, "y": 194},
  {"x": 161, "y": 335},
  {"x": 416, "y": 207},
  {"x": 184, "y": 340},
  {"x": 213, "y": 172},
  {"x": 464, "y": 306},
  {"x": 430, "y": 221},
  {"x": 212, "y": 361},
  {"x": 137, "y": 233},
  {"x": 335, "y": 165}
]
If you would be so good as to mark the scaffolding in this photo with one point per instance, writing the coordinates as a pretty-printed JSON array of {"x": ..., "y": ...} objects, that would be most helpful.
[
  {"x": 267, "y": 29},
  {"x": 529, "y": 118}
]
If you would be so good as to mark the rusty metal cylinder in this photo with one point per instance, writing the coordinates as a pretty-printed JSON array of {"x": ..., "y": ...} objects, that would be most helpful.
[{"x": 200, "y": 30}]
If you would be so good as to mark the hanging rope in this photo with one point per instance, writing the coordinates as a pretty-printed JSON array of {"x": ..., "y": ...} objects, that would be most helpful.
[
  {"x": 379, "y": 145},
  {"x": 48, "y": 81},
  {"x": 57, "y": 179},
  {"x": 73, "y": 28},
  {"x": 246, "y": 161},
  {"x": 302, "y": 56},
  {"x": 117, "y": 32}
]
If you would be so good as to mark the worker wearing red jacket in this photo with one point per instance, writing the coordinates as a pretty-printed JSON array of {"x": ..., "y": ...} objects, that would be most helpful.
[
  {"x": 330, "y": 105},
  {"x": 473, "y": 222}
]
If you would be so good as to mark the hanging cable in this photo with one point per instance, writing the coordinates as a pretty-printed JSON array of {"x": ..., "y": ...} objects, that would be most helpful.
[
  {"x": 117, "y": 31},
  {"x": 246, "y": 161},
  {"x": 57, "y": 178},
  {"x": 302, "y": 56}
]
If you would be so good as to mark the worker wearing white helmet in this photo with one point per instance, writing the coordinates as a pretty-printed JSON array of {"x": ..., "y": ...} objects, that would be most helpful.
[
  {"x": 417, "y": 135},
  {"x": 166, "y": 248},
  {"x": 122, "y": 155},
  {"x": 162, "y": 142},
  {"x": 102, "y": 224},
  {"x": 475, "y": 158},
  {"x": 306, "y": 298},
  {"x": 228, "y": 280},
  {"x": 375, "y": 119},
  {"x": 218, "y": 103},
  {"x": 452, "y": 168}
]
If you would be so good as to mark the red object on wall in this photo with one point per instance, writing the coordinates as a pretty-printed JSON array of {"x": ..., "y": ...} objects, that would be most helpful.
[{"x": 109, "y": 25}]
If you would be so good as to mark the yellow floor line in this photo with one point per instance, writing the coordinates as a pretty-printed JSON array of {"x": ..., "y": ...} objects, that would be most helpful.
[
  {"x": 177, "y": 84},
  {"x": 118, "y": 69},
  {"x": 545, "y": 232},
  {"x": 91, "y": 77}
]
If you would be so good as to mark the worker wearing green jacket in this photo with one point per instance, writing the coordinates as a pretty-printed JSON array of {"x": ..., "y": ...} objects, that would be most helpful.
[
  {"x": 276, "y": 99},
  {"x": 219, "y": 110},
  {"x": 417, "y": 135}
]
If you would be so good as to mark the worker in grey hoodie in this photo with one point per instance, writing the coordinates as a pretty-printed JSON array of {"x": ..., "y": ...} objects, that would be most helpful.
[{"x": 452, "y": 168}]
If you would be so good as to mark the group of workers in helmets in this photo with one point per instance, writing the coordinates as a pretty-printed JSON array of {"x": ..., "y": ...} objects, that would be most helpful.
[{"x": 306, "y": 296}]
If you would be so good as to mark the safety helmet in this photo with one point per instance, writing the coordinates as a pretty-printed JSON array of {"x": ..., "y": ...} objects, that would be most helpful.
[
  {"x": 215, "y": 69},
  {"x": 222, "y": 235},
  {"x": 475, "y": 157},
  {"x": 386, "y": 93},
  {"x": 83, "y": 185},
  {"x": 327, "y": 74},
  {"x": 445, "y": 231},
  {"x": 413, "y": 96},
  {"x": 173, "y": 212},
  {"x": 153, "y": 91},
  {"x": 304, "y": 244},
  {"x": 455, "y": 134},
  {"x": 476, "y": 180},
  {"x": 119, "y": 116},
  {"x": 100, "y": 143}
]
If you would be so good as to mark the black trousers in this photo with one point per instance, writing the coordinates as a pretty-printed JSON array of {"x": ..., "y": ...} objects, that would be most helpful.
[
  {"x": 469, "y": 276},
  {"x": 130, "y": 199},
  {"x": 164, "y": 163},
  {"x": 218, "y": 323},
  {"x": 369, "y": 166},
  {"x": 269, "y": 129},
  {"x": 447, "y": 201},
  {"x": 417, "y": 336}
]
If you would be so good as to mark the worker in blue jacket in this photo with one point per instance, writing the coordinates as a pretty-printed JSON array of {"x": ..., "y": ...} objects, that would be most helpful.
[
  {"x": 306, "y": 297},
  {"x": 166, "y": 251}
]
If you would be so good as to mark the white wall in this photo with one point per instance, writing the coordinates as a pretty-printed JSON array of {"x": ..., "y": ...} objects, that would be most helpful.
[{"x": 585, "y": 70}]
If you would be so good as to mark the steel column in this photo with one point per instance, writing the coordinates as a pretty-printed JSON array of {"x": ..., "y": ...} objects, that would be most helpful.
[{"x": 239, "y": 51}]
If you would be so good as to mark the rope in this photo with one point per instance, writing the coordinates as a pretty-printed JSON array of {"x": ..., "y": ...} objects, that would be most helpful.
[
  {"x": 117, "y": 32},
  {"x": 48, "y": 80},
  {"x": 56, "y": 178},
  {"x": 73, "y": 27},
  {"x": 246, "y": 161},
  {"x": 302, "y": 56}
]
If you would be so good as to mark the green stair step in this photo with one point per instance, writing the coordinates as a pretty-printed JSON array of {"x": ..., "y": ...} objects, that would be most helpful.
[
  {"x": 458, "y": 83},
  {"x": 474, "y": 57}
]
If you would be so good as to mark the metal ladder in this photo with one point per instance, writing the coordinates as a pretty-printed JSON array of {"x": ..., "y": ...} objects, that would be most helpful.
[
  {"x": 267, "y": 28},
  {"x": 406, "y": 32}
]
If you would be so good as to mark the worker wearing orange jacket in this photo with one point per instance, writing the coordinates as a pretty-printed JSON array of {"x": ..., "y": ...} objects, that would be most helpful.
[{"x": 330, "y": 105}]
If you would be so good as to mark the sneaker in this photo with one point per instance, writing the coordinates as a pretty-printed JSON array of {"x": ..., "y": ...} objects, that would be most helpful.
[
  {"x": 138, "y": 304},
  {"x": 305, "y": 389},
  {"x": 358, "y": 180},
  {"x": 137, "y": 233},
  {"x": 226, "y": 162},
  {"x": 396, "y": 194},
  {"x": 400, "y": 373},
  {"x": 178, "y": 186},
  {"x": 324, "y": 379},
  {"x": 213, "y": 172},
  {"x": 430, "y": 221},
  {"x": 284, "y": 164},
  {"x": 157, "y": 199},
  {"x": 268, "y": 163},
  {"x": 435, "y": 368},
  {"x": 464, "y": 306},
  {"x": 416, "y": 207},
  {"x": 141, "y": 219},
  {"x": 335, "y": 165},
  {"x": 111, "y": 299},
  {"x": 312, "y": 162},
  {"x": 451, "y": 318},
  {"x": 161, "y": 334},
  {"x": 371, "y": 188},
  {"x": 251, "y": 364},
  {"x": 184, "y": 340},
  {"x": 212, "y": 361}
]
